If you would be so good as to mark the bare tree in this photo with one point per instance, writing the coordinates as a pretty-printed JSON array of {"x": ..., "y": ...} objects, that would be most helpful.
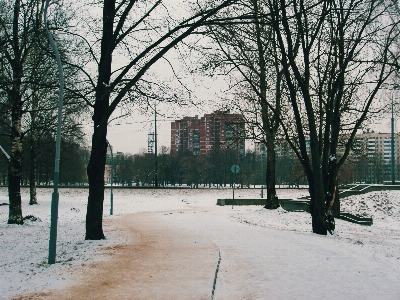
[
  {"x": 336, "y": 55},
  {"x": 247, "y": 53},
  {"x": 28, "y": 80},
  {"x": 18, "y": 32},
  {"x": 139, "y": 34}
]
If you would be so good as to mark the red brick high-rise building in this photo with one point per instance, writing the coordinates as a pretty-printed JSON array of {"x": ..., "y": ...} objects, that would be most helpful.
[
  {"x": 185, "y": 135},
  {"x": 217, "y": 131}
]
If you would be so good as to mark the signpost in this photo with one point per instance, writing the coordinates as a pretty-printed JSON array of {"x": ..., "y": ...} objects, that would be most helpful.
[{"x": 234, "y": 169}]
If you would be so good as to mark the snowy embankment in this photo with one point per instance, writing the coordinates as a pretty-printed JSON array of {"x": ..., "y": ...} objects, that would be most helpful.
[
  {"x": 383, "y": 207},
  {"x": 24, "y": 249}
]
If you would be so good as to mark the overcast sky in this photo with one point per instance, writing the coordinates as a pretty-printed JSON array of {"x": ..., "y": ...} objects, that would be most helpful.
[{"x": 129, "y": 134}]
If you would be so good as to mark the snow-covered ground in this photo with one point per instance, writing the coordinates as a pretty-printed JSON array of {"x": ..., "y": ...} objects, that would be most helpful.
[{"x": 24, "y": 248}]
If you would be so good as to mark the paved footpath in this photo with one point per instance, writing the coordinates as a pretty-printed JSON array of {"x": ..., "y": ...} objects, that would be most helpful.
[
  {"x": 157, "y": 262},
  {"x": 175, "y": 255}
]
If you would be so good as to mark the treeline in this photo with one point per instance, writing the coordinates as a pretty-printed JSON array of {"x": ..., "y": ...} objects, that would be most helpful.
[
  {"x": 180, "y": 170},
  {"x": 215, "y": 170},
  {"x": 202, "y": 170},
  {"x": 73, "y": 163}
]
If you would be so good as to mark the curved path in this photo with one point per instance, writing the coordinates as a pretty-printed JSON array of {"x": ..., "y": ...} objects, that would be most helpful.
[
  {"x": 175, "y": 255},
  {"x": 157, "y": 262}
]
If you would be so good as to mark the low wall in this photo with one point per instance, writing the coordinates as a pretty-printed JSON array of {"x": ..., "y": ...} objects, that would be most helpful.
[
  {"x": 295, "y": 205},
  {"x": 286, "y": 204},
  {"x": 241, "y": 201}
]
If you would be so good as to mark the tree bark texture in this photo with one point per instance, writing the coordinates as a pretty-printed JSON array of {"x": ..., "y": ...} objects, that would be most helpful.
[
  {"x": 316, "y": 186},
  {"x": 96, "y": 166},
  {"x": 32, "y": 173},
  {"x": 95, "y": 171},
  {"x": 33, "y": 161},
  {"x": 15, "y": 165},
  {"x": 272, "y": 201}
]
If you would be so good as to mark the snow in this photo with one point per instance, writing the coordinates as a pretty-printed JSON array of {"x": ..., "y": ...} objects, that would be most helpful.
[{"x": 359, "y": 256}]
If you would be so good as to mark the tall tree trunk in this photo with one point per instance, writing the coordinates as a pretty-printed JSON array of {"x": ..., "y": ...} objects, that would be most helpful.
[
  {"x": 15, "y": 164},
  {"x": 32, "y": 172},
  {"x": 269, "y": 126},
  {"x": 318, "y": 212},
  {"x": 97, "y": 162},
  {"x": 272, "y": 201},
  {"x": 95, "y": 171},
  {"x": 332, "y": 188},
  {"x": 32, "y": 148},
  {"x": 317, "y": 205},
  {"x": 336, "y": 203},
  {"x": 332, "y": 201}
]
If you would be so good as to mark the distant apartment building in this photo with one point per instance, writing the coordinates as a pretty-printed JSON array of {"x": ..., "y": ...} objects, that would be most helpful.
[
  {"x": 371, "y": 152},
  {"x": 185, "y": 135},
  {"x": 378, "y": 145},
  {"x": 376, "y": 148},
  {"x": 217, "y": 131}
]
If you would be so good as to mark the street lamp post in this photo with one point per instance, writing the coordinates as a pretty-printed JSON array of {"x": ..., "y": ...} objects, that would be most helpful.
[
  {"x": 5, "y": 153},
  {"x": 262, "y": 172},
  {"x": 111, "y": 178},
  {"x": 155, "y": 146},
  {"x": 392, "y": 146},
  {"x": 55, "y": 196}
]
